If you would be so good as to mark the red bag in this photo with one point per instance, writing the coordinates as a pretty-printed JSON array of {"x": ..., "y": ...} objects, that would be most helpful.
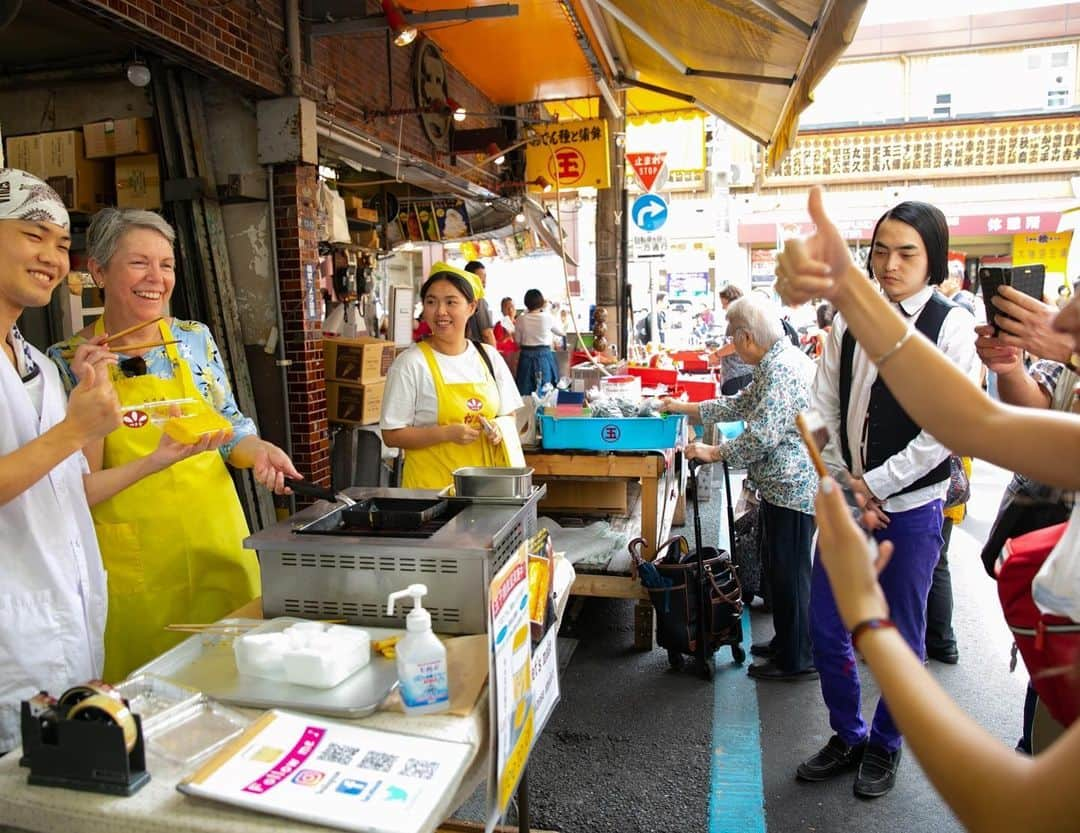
[{"x": 1049, "y": 644}]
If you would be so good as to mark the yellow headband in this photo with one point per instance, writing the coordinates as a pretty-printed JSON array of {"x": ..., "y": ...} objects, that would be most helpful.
[{"x": 474, "y": 282}]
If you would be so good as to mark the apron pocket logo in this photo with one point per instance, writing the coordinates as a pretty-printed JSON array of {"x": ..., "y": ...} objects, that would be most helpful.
[{"x": 135, "y": 419}]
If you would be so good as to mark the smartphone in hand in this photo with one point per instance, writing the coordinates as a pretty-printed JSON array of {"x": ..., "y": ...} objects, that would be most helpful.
[
  {"x": 1027, "y": 279},
  {"x": 815, "y": 436}
]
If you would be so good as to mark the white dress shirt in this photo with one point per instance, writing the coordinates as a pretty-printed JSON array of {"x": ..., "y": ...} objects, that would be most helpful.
[{"x": 956, "y": 339}]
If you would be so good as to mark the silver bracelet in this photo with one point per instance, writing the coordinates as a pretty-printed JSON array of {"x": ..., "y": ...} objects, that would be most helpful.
[{"x": 888, "y": 354}]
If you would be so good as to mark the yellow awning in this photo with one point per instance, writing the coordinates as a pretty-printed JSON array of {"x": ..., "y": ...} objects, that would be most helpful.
[{"x": 753, "y": 63}]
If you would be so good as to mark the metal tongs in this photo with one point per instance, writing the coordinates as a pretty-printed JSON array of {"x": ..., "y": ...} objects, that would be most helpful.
[{"x": 309, "y": 489}]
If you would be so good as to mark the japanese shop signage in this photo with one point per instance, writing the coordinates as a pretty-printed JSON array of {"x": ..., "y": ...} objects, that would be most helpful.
[
  {"x": 650, "y": 169},
  {"x": 952, "y": 150},
  {"x": 572, "y": 154}
]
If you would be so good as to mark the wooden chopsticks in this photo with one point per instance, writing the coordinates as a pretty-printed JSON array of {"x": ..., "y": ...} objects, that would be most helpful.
[
  {"x": 127, "y": 348},
  {"x": 224, "y": 627},
  {"x": 67, "y": 354},
  {"x": 129, "y": 330}
]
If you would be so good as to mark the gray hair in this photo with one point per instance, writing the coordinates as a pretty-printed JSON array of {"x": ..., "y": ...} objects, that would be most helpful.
[
  {"x": 758, "y": 317},
  {"x": 110, "y": 224}
]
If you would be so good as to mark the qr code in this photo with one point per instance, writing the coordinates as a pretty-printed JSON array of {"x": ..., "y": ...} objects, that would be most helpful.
[
  {"x": 378, "y": 761},
  {"x": 424, "y": 770},
  {"x": 337, "y": 753}
]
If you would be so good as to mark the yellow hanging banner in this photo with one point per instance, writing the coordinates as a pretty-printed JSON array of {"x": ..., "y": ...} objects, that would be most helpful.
[
  {"x": 1048, "y": 248},
  {"x": 574, "y": 154}
]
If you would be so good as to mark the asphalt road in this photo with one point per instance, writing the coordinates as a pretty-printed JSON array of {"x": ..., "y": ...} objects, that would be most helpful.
[{"x": 633, "y": 746}]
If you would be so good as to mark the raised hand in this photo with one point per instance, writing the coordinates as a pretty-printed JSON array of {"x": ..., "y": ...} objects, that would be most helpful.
[
  {"x": 93, "y": 407},
  {"x": 817, "y": 266},
  {"x": 1028, "y": 323},
  {"x": 994, "y": 352},
  {"x": 92, "y": 352}
]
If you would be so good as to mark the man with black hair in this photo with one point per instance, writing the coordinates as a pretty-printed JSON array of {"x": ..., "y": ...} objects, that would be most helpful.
[
  {"x": 902, "y": 474},
  {"x": 480, "y": 327}
]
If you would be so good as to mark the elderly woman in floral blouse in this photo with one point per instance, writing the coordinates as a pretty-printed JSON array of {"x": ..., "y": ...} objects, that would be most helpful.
[
  {"x": 778, "y": 467},
  {"x": 168, "y": 519}
]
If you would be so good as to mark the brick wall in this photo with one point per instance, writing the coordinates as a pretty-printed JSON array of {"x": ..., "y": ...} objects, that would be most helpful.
[
  {"x": 295, "y": 201},
  {"x": 244, "y": 42}
]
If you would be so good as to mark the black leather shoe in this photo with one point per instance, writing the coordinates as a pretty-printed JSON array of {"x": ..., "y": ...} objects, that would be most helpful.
[
  {"x": 769, "y": 670},
  {"x": 947, "y": 654},
  {"x": 877, "y": 772},
  {"x": 834, "y": 758},
  {"x": 764, "y": 650}
]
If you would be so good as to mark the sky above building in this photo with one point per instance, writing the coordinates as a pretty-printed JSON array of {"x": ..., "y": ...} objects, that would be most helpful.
[{"x": 891, "y": 11}]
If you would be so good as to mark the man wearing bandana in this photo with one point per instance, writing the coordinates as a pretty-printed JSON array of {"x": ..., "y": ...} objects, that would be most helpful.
[{"x": 52, "y": 585}]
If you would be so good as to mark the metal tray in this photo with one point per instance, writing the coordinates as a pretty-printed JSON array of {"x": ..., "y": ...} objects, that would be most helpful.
[
  {"x": 206, "y": 663},
  {"x": 489, "y": 481},
  {"x": 540, "y": 491}
]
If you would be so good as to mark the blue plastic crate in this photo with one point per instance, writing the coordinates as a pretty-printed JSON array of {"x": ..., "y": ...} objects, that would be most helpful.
[{"x": 616, "y": 434}]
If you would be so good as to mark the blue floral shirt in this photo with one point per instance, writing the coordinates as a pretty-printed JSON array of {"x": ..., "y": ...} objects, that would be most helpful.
[
  {"x": 197, "y": 348},
  {"x": 770, "y": 448}
]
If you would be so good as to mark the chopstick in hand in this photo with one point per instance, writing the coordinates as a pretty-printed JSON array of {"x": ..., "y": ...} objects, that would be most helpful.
[
  {"x": 127, "y": 348},
  {"x": 129, "y": 330}
]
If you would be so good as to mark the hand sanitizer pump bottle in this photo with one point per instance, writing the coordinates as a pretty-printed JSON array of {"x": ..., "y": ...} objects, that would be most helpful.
[{"x": 421, "y": 658}]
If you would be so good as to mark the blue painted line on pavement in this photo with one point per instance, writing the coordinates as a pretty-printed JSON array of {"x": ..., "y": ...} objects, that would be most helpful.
[{"x": 736, "y": 794}]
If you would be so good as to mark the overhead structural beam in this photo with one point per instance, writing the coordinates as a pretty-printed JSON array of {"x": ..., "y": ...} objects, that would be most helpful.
[
  {"x": 341, "y": 24},
  {"x": 640, "y": 32},
  {"x": 679, "y": 66},
  {"x": 741, "y": 14},
  {"x": 779, "y": 80},
  {"x": 775, "y": 10},
  {"x": 689, "y": 99}
]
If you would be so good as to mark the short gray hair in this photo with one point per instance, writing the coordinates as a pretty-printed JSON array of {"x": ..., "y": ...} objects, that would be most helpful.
[
  {"x": 758, "y": 317},
  {"x": 110, "y": 224}
]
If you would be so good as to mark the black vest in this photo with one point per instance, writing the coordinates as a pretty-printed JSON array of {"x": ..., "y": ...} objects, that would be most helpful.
[{"x": 889, "y": 429}]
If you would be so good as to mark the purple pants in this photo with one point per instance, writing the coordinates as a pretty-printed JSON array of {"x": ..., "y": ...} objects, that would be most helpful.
[{"x": 916, "y": 539}]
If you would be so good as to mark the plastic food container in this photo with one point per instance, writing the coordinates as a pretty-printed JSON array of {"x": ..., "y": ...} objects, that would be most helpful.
[
  {"x": 185, "y": 420},
  {"x": 153, "y": 698},
  {"x": 189, "y": 734},
  {"x": 480, "y": 481}
]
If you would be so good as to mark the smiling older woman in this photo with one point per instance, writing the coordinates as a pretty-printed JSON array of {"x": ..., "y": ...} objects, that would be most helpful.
[{"x": 168, "y": 521}]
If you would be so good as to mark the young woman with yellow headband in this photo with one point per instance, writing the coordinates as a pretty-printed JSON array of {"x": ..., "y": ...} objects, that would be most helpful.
[{"x": 442, "y": 395}]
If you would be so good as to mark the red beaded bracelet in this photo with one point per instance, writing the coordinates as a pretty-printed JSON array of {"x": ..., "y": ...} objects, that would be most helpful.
[{"x": 874, "y": 624}]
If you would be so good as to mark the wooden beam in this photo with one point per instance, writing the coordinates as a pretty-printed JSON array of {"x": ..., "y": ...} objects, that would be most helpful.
[{"x": 607, "y": 587}]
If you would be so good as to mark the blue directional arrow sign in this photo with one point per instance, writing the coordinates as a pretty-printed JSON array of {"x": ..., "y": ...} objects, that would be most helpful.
[{"x": 649, "y": 212}]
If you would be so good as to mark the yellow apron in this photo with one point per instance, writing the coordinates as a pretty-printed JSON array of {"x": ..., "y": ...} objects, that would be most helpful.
[
  {"x": 171, "y": 543},
  {"x": 433, "y": 467}
]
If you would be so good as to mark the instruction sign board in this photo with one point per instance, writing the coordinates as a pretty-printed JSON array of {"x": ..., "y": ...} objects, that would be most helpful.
[
  {"x": 650, "y": 169},
  {"x": 648, "y": 215}
]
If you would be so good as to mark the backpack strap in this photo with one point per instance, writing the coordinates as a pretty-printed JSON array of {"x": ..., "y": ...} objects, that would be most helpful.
[{"x": 479, "y": 345}]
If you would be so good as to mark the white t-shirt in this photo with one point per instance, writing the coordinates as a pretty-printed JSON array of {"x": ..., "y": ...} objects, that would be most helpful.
[
  {"x": 534, "y": 329},
  {"x": 409, "y": 398}
]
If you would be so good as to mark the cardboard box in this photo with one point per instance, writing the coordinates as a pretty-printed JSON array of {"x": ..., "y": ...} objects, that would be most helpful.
[
  {"x": 138, "y": 181},
  {"x": 362, "y": 359},
  {"x": 118, "y": 137},
  {"x": 26, "y": 154},
  {"x": 354, "y": 404},
  {"x": 587, "y": 497},
  {"x": 82, "y": 183}
]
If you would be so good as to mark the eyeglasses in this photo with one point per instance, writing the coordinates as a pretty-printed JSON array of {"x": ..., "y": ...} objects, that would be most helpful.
[{"x": 134, "y": 366}]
